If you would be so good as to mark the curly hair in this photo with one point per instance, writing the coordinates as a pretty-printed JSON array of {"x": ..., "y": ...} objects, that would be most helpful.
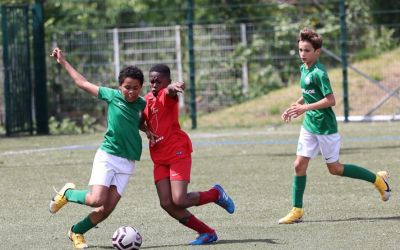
[
  {"x": 310, "y": 36},
  {"x": 132, "y": 72},
  {"x": 162, "y": 69}
]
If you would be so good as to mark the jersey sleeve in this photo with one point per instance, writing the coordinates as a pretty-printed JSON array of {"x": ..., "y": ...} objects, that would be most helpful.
[
  {"x": 324, "y": 84},
  {"x": 169, "y": 101},
  {"x": 106, "y": 94}
]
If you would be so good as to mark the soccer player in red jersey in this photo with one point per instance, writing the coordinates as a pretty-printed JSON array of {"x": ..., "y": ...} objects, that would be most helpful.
[{"x": 170, "y": 151}]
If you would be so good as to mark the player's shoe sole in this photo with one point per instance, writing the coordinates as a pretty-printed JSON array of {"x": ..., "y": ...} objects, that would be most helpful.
[
  {"x": 204, "y": 239},
  {"x": 59, "y": 200},
  {"x": 294, "y": 216},
  {"x": 382, "y": 184}
]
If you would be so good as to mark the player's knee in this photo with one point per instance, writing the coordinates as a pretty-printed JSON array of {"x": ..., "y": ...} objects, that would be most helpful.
[
  {"x": 298, "y": 166},
  {"x": 335, "y": 170},
  {"x": 179, "y": 201},
  {"x": 96, "y": 201},
  {"x": 166, "y": 204}
]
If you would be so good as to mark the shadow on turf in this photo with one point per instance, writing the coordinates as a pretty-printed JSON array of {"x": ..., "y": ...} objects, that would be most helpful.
[
  {"x": 357, "y": 219},
  {"x": 220, "y": 242}
]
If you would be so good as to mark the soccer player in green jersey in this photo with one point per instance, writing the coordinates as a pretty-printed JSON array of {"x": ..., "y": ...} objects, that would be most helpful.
[
  {"x": 319, "y": 131},
  {"x": 114, "y": 161}
]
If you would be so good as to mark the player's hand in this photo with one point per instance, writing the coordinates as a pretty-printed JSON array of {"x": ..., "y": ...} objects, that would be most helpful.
[
  {"x": 174, "y": 88},
  {"x": 296, "y": 110},
  {"x": 152, "y": 138},
  {"x": 285, "y": 116},
  {"x": 57, "y": 54},
  {"x": 178, "y": 86}
]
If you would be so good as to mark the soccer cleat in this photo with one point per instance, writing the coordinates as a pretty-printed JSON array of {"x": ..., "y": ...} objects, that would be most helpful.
[
  {"x": 205, "y": 238},
  {"x": 59, "y": 200},
  {"x": 381, "y": 183},
  {"x": 77, "y": 239},
  {"x": 224, "y": 200},
  {"x": 295, "y": 216}
]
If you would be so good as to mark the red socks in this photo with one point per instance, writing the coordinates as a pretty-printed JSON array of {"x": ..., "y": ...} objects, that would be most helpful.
[
  {"x": 193, "y": 223},
  {"x": 208, "y": 196}
]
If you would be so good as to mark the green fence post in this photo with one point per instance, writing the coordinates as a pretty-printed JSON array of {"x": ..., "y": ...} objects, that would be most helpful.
[
  {"x": 192, "y": 73},
  {"x": 6, "y": 70},
  {"x": 40, "y": 92},
  {"x": 343, "y": 47}
]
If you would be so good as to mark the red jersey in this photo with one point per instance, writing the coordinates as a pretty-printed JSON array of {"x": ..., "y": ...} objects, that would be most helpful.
[{"x": 161, "y": 115}]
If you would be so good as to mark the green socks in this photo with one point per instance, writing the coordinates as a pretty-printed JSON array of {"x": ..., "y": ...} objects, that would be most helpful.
[
  {"x": 298, "y": 187},
  {"x": 349, "y": 170},
  {"x": 357, "y": 172},
  {"x": 77, "y": 196},
  {"x": 83, "y": 226}
]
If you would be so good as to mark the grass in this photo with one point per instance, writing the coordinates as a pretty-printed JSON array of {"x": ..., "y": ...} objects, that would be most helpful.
[
  {"x": 254, "y": 166},
  {"x": 363, "y": 95}
]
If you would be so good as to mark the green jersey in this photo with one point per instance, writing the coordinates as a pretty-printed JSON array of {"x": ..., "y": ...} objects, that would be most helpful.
[
  {"x": 315, "y": 85},
  {"x": 122, "y": 136}
]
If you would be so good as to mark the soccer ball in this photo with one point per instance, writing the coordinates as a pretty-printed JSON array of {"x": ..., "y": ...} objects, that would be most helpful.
[{"x": 126, "y": 237}]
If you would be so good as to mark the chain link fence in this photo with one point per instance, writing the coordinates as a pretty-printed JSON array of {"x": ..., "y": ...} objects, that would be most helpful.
[{"x": 234, "y": 63}]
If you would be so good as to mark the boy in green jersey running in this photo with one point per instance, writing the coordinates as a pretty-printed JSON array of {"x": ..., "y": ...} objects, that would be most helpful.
[
  {"x": 114, "y": 161},
  {"x": 319, "y": 131}
]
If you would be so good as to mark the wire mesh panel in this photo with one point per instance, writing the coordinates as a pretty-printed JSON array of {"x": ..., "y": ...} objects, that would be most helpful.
[
  {"x": 17, "y": 69},
  {"x": 91, "y": 53},
  {"x": 244, "y": 56},
  {"x": 100, "y": 54}
]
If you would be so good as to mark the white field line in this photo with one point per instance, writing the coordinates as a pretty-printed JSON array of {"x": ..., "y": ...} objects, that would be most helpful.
[{"x": 269, "y": 131}]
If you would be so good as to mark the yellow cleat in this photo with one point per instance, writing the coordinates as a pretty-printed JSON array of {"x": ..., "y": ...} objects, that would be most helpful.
[
  {"x": 295, "y": 216},
  {"x": 59, "y": 200},
  {"x": 381, "y": 183},
  {"x": 78, "y": 240}
]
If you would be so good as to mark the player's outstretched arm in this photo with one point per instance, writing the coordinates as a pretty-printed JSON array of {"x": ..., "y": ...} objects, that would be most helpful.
[
  {"x": 79, "y": 79},
  {"x": 174, "y": 88}
]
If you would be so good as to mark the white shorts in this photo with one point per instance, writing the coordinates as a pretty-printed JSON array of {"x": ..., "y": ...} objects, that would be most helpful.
[
  {"x": 310, "y": 145},
  {"x": 110, "y": 170}
]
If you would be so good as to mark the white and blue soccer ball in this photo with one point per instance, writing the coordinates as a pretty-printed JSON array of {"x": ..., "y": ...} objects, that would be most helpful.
[{"x": 127, "y": 238}]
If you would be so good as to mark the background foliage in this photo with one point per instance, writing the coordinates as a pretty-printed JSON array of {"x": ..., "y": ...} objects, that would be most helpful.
[{"x": 270, "y": 53}]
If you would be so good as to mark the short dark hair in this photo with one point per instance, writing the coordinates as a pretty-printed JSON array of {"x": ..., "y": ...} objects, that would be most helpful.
[
  {"x": 162, "y": 69},
  {"x": 310, "y": 36},
  {"x": 132, "y": 72}
]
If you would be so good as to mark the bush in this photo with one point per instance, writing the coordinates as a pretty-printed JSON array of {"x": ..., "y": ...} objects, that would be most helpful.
[{"x": 67, "y": 126}]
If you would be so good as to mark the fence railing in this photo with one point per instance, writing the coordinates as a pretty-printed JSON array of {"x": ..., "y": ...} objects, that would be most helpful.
[{"x": 234, "y": 63}]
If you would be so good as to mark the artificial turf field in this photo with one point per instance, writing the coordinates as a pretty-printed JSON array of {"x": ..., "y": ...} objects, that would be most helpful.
[{"x": 253, "y": 165}]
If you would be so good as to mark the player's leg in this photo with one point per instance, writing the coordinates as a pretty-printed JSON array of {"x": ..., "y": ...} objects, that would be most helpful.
[
  {"x": 180, "y": 177},
  {"x": 77, "y": 231},
  {"x": 307, "y": 148},
  {"x": 380, "y": 179},
  {"x": 330, "y": 147},
  {"x": 298, "y": 188},
  {"x": 100, "y": 179},
  {"x": 111, "y": 197},
  {"x": 93, "y": 198},
  {"x": 187, "y": 219}
]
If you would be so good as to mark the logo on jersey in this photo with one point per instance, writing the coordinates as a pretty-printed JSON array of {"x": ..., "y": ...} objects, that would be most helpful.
[
  {"x": 307, "y": 80},
  {"x": 121, "y": 104},
  {"x": 308, "y": 91},
  {"x": 154, "y": 110}
]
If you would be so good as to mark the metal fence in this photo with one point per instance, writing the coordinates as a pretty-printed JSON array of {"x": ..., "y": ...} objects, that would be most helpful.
[
  {"x": 234, "y": 63},
  {"x": 223, "y": 75}
]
